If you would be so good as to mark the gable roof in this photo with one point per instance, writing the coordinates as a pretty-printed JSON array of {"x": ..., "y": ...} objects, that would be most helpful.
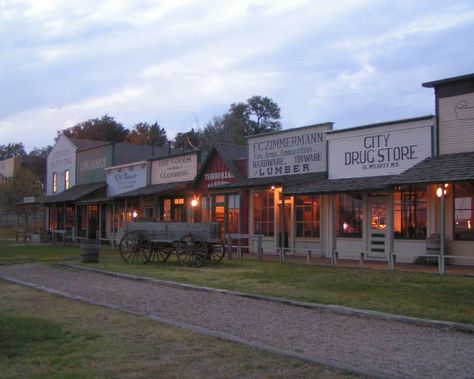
[
  {"x": 229, "y": 154},
  {"x": 86, "y": 144}
]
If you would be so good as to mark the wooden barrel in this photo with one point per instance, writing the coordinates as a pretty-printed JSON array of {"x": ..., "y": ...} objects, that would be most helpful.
[
  {"x": 433, "y": 244},
  {"x": 89, "y": 251}
]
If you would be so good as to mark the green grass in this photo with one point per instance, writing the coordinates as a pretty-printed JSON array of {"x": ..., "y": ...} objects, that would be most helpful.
[
  {"x": 430, "y": 296},
  {"x": 70, "y": 339}
]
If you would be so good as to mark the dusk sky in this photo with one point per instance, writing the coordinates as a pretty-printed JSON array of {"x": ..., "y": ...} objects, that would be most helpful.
[{"x": 183, "y": 62}]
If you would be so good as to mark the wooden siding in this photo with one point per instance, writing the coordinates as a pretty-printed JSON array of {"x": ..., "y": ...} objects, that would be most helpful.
[{"x": 456, "y": 124}]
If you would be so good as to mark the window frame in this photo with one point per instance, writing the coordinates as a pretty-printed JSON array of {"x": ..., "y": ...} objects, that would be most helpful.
[
  {"x": 412, "y": 206},
  {"x": 456, "y": 235},
  {"x": 315, "y": 223}
]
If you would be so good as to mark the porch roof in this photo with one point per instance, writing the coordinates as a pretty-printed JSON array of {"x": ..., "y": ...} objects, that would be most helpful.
[
  {"x": 374, "y": 183},
  {"x": 75, "y": 193},
  {"x": 442, "y": 168},
  {"x": 157, "y": 189}
]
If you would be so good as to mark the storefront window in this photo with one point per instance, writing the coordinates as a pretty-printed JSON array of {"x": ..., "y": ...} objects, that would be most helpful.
[
  {"x": 463, "y": 211},
  {"x": 307, "y": 216},
  {"x": 410, "y": 213},
  {"x": 167, "y": 210},
  {"x": 233, "y": 211},
  {"x": 264, "y": 213},
  {"x": 349, "y": 215}
]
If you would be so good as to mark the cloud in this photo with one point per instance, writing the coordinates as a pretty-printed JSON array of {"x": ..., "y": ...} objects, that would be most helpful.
[{"x": 181, "y": 61}]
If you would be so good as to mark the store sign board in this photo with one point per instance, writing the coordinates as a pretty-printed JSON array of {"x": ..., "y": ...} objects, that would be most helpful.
[
  {"x": 218, "y": 178},
  {"x": 125, "y": 179},
  {"x": 174, "y": 169},
  {"x": 298, "y": 151},
  {"x": 377, "y": 152}
]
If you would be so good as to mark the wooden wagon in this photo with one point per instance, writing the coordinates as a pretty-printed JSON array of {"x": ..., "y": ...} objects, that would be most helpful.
[{"x": 194, "y": 244}]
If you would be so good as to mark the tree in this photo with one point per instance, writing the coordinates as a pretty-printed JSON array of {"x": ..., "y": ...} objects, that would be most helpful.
[
  {"x": 188, "y": 141},
  {"x": 264, "y": 115},
  {"x": 23, "y": 183},
  {"x": 35, "y": 161},
  {"x": 257, "y": 115},
  {"x": 12, "y": 150},
  {"x": 146, "y": 134},
  {"x": 103, "y": 129}
]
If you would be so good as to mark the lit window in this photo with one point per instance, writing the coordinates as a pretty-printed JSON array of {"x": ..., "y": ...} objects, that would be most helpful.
[
  {"x": 307, "y": 216},
  {"x": 409, "y": 216},
  {"x": 66, "y": 180},
  {"x": 349, "y": 215},
  {"x": 55, "y": 182},
  {"x": 179, "y": 201},
  {"x": 264, "y": 213},
  {"x": 463, "y": 211}
]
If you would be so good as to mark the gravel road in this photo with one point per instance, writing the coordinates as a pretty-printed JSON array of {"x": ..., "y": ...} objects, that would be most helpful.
[{"x": 369, "y": 346}]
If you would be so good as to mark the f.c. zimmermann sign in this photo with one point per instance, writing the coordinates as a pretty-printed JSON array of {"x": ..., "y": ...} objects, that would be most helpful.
[{"x": 297, "y": 151}]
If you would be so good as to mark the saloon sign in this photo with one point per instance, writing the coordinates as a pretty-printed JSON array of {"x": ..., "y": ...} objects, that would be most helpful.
[{"x": 298, "y": 151}]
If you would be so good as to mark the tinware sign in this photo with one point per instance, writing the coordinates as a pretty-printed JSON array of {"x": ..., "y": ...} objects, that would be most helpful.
[{"x": 299, "y": 151}]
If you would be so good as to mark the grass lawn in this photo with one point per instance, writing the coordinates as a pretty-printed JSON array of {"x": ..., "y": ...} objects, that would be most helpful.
[
  {"x": 412, "y": 294},
  {"x": 70, "y": 339}
]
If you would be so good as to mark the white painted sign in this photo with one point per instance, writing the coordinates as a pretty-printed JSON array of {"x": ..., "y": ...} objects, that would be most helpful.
[
  {"x": 297, "y": 151},
  {"x": 377, "y": 151},
  {"x": 174, "y": 169},
  {"x": 121, "y": 179}
]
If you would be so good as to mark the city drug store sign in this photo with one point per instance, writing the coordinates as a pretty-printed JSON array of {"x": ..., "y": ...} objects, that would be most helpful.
[
  {"x": 377, "y": 153},
  {"x": 292, "y": 152}
]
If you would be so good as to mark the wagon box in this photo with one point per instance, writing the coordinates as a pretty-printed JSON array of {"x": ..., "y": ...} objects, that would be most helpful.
[{"x": 194, "y": 244}]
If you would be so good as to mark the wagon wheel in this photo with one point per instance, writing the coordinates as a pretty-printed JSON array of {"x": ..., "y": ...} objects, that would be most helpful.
[
  {"x": 160, "y": 252},
  {"x": 135, "y": 247},
  {"x": 217, "y": 251},
  {"x": 190, "y": 253}
]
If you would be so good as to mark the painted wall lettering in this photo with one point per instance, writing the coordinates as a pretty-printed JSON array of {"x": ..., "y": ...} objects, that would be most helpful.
[{"x": 288, "y": 153}]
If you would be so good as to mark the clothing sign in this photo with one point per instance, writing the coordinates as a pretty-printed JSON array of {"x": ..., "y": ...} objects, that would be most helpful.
[
  {"x": 174, "y": 169},
  {"x": 297, "y": 151}
]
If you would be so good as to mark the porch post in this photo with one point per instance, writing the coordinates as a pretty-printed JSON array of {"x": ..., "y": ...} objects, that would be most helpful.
[
  {"x": 442, "y": 233},
  {"x": 113, "y": 222},
  {"x": 389, "y": 231},
  {"x": 282, "y": 227}
]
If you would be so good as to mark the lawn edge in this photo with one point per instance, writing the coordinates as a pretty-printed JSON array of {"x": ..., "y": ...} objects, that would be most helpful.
[
  {"x": 330, "y": 308},
  {"x": 197, "y": 329}
]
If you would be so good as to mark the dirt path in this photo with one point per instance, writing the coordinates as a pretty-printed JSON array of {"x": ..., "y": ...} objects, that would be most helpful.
[{"x": 368, "y": 346}]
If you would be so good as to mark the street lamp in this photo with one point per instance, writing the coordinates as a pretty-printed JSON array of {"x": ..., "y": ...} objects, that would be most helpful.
[{"x": 441, "y": 192}]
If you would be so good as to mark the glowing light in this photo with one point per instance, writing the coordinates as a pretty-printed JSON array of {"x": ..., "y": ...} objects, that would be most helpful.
[
  {"x": 345, "y": 226},
  {"x": 135, "y": 214},
  {"x": 272, "y": 187},
  {"x": 194, "y": 202},
  {"x": 439, "y": 192}
]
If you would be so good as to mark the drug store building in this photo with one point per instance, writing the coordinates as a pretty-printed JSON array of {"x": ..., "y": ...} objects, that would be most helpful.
[{"x": 386, "y": 183}]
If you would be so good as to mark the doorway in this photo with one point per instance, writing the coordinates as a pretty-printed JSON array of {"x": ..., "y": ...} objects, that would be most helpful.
[{"x": 377, "y": 225}]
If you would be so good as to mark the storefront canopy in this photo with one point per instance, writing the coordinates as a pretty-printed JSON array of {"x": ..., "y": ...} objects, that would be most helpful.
[
  {"x": 439, "y": 169},
  {"x": 158, "y": 189},
  {"x": 75, "y": 193},
  {"x": 375, "y": 183}
]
